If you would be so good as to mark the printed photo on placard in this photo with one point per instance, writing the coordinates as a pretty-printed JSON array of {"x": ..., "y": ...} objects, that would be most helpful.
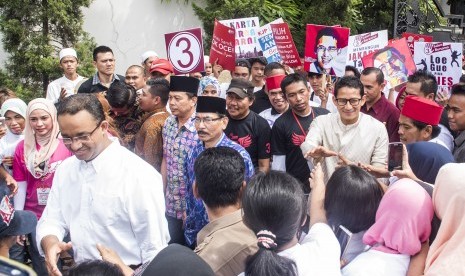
[
  {"x": 326, "y": 49},
  {"x": 364, "y": 44},
  {"x": 442, "y": 59},
  {"x": 394, "y": 60}
]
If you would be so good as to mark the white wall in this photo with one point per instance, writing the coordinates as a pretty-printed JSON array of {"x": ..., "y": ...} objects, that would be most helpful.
[{"x": 131, "y": 27}]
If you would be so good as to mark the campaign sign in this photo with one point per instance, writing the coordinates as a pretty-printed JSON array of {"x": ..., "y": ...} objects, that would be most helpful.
[
  {"x": 364, "y": 44},
  {"x": 395, "y": 60},
  {"x": 326, "y": 49},
  {"x": 412, "y": 38},
  {"x": 286, "y": 47},
  {"x": 442, "y": 59},
  {"x": 267, "y": 42},
  {"x": 246, "y": 36},
  {"x": 222, "y": 48},
  {"x": 185, "y": 51}
]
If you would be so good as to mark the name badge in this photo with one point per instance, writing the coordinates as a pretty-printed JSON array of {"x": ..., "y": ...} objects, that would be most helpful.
[{"x": 42, "y": 195}]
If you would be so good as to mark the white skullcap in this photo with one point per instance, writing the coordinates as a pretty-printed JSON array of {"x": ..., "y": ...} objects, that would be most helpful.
[
  {"x": 148, "y": 54},
  {"x": 206, "y": 59},
  {"x": 68, "y": 52}
]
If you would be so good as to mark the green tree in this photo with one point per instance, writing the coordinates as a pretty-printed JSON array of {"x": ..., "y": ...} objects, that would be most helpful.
[{"x": 34, "y": 31}]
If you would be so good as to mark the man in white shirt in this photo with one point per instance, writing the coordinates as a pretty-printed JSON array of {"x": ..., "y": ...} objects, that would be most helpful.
[
  {"x": 103, "y": 194},
  {"x": 347, "y": 136},
  {"x": 65, "y": 86}
]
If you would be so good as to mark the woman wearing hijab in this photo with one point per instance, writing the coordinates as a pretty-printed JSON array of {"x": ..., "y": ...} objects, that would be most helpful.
[
  {"x": 14, "y": 111},
  {"x": 426, "y": 158},
  {"x": 403, "y": 223},
  {"x": 447, "y": 252},
  {"x": 35, "y": 161},
  {"x": 209, "y": 86}
]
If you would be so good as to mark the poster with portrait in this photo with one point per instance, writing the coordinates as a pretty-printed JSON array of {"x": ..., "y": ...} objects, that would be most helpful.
[
  {"x": 222, "y": 48},
  {"x": 395, "y": 60},
  {"x": 267, "y": 42},
  {"x": 326, "y": 49},
  {"x": 412, "y": 38},
  {"x": 444, "y": 60},
  {"x": 364, "y": 44},
  {"x": 246, "y": 36},
  {"x": 285, "y": 44}
]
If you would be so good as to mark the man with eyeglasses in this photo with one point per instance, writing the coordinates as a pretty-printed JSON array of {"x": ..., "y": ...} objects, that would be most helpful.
[
  {"x": 326, "y": 50},
  {"x": 104, "y": 194},
  {"x": 210, "y": 122},
  {"x": 179, "y": 136},
  {"x": 348, "y": 136}
]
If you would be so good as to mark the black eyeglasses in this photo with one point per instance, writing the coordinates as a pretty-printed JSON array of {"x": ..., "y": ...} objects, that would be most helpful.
[
  {"x": 82, "y": 139},
  {"x": 353, "y": 101},
  {"x": 206, "y": 120}
]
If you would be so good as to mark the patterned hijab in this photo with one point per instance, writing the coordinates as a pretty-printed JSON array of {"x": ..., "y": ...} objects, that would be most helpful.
[
  {"x": 206, "y": 81},
  {"x": 37, "y": 160}
]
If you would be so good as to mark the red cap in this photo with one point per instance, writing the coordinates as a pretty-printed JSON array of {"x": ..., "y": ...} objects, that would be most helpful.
[
  {"x": 274, "y": 82},
  {"x": 422, "y": 110},
  {"x": 162, "y": 65}
]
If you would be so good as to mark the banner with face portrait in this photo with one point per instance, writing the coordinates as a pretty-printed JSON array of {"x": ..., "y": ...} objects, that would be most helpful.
[
  {"x": 326, "y": 49},
  {"x": 442, "y": 59},
  {"x": 364, "y": 44},
  {"x": 247, "y": 45},
  {"x": 394, "y": 60}
]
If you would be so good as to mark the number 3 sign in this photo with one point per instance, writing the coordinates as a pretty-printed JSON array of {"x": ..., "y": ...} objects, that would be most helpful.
[{"x": 185, "y": 51}]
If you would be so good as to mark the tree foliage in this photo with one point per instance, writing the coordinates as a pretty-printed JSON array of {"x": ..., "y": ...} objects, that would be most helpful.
[{"x": 34, "y": 31}]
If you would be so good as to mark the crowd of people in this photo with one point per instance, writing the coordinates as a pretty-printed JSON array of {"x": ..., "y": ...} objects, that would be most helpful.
[{"x": 265, "y": 170}]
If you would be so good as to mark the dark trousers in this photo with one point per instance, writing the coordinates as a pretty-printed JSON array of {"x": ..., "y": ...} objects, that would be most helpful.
[{"x": 175, "y": 227}]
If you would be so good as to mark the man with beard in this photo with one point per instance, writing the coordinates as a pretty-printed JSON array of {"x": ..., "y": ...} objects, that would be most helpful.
[
  {"x": 210, "y": 122},
  {"x": 290, "y": 129}
]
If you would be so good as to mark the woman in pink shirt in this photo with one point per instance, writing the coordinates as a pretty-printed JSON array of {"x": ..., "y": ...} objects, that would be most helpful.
[{"x": 35, "y": 162}]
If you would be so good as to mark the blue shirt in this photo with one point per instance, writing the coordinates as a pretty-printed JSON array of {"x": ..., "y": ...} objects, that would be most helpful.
[{"x": 196, "y": 214}]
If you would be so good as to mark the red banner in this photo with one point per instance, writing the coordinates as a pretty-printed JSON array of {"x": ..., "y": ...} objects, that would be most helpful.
[
  {"x": 412, "y": 38},
  {"x": 286, "y": 47},
  {"x": 222, "y": 47}
]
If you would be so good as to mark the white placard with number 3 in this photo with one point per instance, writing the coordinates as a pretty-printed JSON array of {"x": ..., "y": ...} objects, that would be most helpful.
[{"x": 185, "y": 52}]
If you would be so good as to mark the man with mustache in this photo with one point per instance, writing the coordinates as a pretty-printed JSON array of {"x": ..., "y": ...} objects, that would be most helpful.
[{"x": 210, "y": 122}]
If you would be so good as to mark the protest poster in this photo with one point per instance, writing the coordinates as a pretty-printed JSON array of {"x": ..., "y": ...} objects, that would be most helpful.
[
  {"x": 246, "y": 36},
  {"x": 395, "y": 60},
  {"x": 412, "y": 38},
  {"x": 364, "y": 44},
  {"x": 442, "y": 59},
  {"x": 185, "y": 51},
  {"x": 326, "y": 49},
  {"x": 286, "y": 47},
  {"x": 222, "y": 48},
  {"x": 267, "y": 42}
]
